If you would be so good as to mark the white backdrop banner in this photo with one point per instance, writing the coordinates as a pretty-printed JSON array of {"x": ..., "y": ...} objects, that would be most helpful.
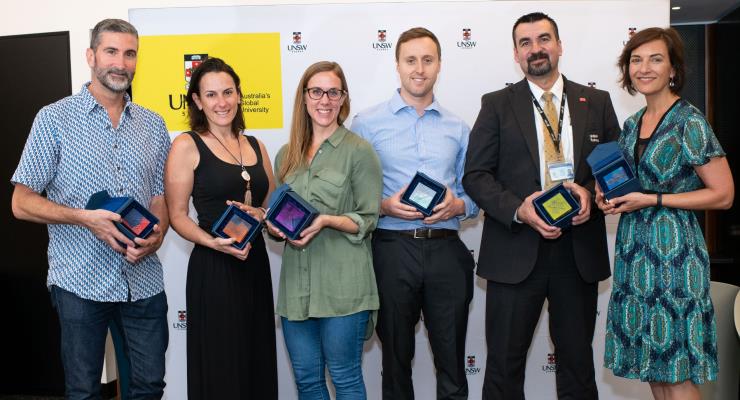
[{"x": 477, "y": 57}]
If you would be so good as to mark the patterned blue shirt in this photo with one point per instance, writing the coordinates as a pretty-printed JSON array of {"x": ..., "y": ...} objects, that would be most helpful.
[
  {"x": 434, "y": 143},
  {"x": 74, "y": 151}
]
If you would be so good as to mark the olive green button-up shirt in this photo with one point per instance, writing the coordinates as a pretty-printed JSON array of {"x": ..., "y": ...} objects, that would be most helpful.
[{"x": 333, "y": 275}]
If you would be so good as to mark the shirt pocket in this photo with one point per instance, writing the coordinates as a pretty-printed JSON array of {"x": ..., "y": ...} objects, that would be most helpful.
[{"x": 328, "y": 189}]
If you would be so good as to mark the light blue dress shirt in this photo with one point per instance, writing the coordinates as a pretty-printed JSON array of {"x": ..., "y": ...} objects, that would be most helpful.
[{"x": 434, "y": 143}]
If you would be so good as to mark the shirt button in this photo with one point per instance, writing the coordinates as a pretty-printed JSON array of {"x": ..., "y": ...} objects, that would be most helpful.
[
  {"x": 115, "y": 146},
  {"x": 320, "y": 151},
  {"x": 118, "y": 168},
  {"x": 120, "y": 190}
]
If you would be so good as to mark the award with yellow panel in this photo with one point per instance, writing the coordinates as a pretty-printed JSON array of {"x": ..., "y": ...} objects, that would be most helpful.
[{"x": 557, "y": 206}]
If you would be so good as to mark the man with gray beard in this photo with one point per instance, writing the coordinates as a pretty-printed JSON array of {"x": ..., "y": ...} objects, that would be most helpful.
[
  {"x": 527, "y": 138},
  {"x": 82, "y": 144}
]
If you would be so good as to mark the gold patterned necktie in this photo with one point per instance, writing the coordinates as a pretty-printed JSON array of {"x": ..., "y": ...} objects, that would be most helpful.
[{"x": 553, "y": 153}]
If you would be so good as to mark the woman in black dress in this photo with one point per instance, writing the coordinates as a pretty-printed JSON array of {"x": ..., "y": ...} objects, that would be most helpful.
[{"x": 231, "y": 324}]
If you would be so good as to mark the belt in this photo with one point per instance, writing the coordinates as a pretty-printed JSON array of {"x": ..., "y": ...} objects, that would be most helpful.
[{"x": 423, "y": 233}]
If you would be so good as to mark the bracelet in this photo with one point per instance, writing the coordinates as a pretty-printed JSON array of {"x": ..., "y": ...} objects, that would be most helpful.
[{"x": 659, "y": 202}]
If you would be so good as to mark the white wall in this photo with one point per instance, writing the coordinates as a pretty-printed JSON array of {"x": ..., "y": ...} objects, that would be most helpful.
[{"x": 79, "y": 16}]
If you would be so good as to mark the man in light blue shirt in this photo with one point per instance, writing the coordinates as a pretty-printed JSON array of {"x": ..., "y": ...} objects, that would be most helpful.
[{"x": 420, "y": 262}]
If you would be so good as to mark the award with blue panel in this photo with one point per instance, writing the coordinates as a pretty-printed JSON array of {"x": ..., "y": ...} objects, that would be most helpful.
[
  {"x": 237, "y": 224},
  {"x": 289, "y": 212},
  {"x": 136, "y": 220},
  {"x": 424, "y": 193},
  {"x": 612, "y": 172},
  {"x": 557, "y": 206}
]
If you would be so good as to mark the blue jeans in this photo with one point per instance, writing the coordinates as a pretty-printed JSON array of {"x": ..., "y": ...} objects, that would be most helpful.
[
  {"x": 333, "y": 342},
  {"x": 84, "y": 325}
]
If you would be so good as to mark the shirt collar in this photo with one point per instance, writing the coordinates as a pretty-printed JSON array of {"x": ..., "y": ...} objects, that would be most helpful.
[
  {"x": 397, "y": 103},
  {"x": 90, "y": 103},
  {"x": 337, "y": 136},
  {"x": 556, "y": 89}
]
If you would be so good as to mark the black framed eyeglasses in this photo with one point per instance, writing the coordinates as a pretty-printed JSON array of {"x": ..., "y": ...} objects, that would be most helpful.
[{"x": 316, "y": 93}]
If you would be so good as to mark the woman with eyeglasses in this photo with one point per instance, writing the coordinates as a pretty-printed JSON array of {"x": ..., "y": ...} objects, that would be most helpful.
[{"x": 328, "y": 298}]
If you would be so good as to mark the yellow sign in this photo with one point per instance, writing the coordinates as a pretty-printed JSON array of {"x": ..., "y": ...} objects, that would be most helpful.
[
  {"x": 166, "y": 62},
  {"x": 557, "y": 206}
]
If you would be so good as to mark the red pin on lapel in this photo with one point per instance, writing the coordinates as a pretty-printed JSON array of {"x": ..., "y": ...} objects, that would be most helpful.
[{"x": 582, "y": 99}]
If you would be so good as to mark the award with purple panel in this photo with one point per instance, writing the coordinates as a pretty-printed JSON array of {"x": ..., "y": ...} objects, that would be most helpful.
[
  {"x": 289, "y": 212},
  {"x": 237, "y": 224},
  {"x": 612, "y": 172},
  {"x": 136, "y": 220}
]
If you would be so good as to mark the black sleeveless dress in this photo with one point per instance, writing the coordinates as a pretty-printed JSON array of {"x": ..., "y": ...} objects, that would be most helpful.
[{"x": 231, "y": 323}]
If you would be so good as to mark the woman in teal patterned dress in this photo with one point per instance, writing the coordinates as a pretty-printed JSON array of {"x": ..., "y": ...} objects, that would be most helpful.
[{"x": 660, "y": 325}]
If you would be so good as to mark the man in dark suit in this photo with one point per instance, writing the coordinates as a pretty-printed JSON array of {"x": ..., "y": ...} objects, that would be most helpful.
[{"x": 522, "y": 144}]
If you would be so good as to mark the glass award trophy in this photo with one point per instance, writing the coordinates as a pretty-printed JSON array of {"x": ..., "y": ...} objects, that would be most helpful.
[
  {"x": 136, "y": 220},
  {"x": 424, "y": 193},
  {"x": 237, "y": 224},
  {"x": 289, "y": 212},
  {"x": 556, "y": 206},
  {"x": 611, "y": 171}
]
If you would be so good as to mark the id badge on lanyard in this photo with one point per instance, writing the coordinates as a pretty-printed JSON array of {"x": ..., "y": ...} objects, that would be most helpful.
[{"x": 560, "y": 171}]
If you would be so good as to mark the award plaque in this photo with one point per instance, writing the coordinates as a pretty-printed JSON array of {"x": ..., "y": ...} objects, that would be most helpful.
[
  {"x": 424, "y": 193},
  {"x": 556, "y": 206},
  {"x": 289, "y": 212},
  {"x": 237, "y": 224},
  {"x": 612, "y": 172},
  {"x": 136, "y": 220}
]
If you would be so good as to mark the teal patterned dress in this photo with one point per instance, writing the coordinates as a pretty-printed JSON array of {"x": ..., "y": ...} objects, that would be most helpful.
[{"x": 660, "y": 324}]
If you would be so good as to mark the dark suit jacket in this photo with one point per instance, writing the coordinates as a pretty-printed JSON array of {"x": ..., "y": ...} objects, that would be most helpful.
[{"x": 502, "y": 168}]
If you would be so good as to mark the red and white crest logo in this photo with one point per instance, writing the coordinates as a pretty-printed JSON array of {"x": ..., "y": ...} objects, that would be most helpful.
[
  {"x": 192, "y": 61},
  {"x": 381, "y": 35},
  {"x": 466, "y": 34}
]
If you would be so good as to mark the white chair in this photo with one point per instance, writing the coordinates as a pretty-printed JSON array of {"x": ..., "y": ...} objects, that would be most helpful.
[{"x": 725, "y": 299}]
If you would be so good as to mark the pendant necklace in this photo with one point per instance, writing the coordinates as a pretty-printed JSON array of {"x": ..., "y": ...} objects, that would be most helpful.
[{"x": 245, "y": 175}]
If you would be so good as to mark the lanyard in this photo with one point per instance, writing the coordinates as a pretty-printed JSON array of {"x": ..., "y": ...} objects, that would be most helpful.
[{"x": 555, "y": 139}]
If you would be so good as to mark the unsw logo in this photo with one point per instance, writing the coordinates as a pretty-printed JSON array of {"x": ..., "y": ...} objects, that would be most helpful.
[
  {"x": 382, "y": 44},
  {"x": 467, "y": 42},
  {"x": 182, "y": 321},
  {"x": 552, "y": 363},
  {"x": 470, "y": 368},
  {"x": 297, "y": 46}
]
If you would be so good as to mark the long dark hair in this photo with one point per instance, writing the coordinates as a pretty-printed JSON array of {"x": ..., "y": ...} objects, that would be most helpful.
[{"x": 196, "y": 117}]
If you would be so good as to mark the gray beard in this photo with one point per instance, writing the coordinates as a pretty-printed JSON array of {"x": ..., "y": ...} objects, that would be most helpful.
[
  {"x": 539, "y": 71},
  {"x": 114, "y": 86}
]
